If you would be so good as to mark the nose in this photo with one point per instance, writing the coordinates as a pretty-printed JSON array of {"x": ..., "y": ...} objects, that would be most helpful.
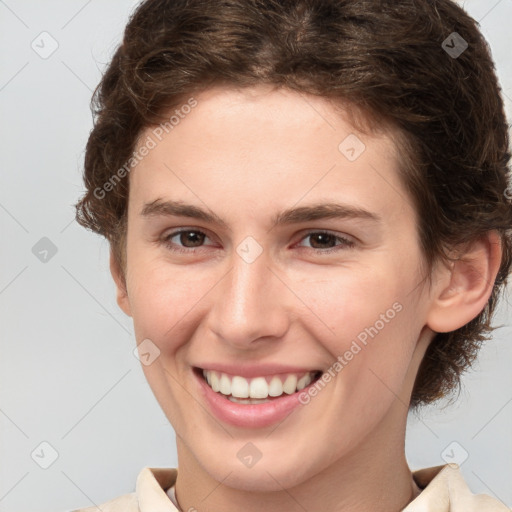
[{"x": 251, "y": 304}]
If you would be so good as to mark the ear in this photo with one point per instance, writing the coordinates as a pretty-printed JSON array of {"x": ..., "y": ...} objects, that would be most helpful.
[
  {"x": 462, "y": 289},
  {"x": 120, "y": 282}
]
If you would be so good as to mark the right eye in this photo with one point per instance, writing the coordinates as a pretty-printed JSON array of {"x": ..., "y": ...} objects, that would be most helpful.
[{"x": 184, "y": 240}]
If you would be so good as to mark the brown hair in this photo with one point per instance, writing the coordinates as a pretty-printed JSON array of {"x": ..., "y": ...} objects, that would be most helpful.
[{"x": 397, "y": 62}]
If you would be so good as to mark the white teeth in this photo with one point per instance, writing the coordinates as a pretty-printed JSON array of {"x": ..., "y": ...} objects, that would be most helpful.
[
  {"x": 239, "y": 387},
  {"x": 225, "y": 384},
  {"x": 275, "y": 388},
  {"x": 303, "y": 382},
  {"x": 290, "y": 384},
  {"x": 258, "y": 388},
  {"x": 241, "y": 390},
  {"x": 215, "y": 381}
]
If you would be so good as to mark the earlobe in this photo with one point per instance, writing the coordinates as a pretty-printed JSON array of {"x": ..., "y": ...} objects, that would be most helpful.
[
  {"x": 120, "y": 282},
  {"x": 463, "y": 289}
]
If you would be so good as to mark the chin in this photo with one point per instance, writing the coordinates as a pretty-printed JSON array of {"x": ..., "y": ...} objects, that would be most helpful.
[{"x": 270, "y": 475}]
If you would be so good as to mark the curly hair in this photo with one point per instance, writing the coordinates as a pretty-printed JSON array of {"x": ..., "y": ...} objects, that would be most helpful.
[{"x": 419, "y": 66}]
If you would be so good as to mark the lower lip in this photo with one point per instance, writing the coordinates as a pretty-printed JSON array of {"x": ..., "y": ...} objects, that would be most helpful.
[{"x": 249, "y": 415}]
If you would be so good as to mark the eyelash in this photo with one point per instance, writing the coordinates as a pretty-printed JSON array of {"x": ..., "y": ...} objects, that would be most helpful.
[{"x": 344, "y": 245}]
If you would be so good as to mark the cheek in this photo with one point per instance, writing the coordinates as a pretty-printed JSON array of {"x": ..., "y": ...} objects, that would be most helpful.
[
  {"x": 161, "y": 299},
  {"x": 350, "y": 302},
  {"x": 373, "y": 324}
]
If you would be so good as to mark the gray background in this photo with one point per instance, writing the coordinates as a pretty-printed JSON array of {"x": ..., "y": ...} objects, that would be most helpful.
[{"x": 68, "y": 374}]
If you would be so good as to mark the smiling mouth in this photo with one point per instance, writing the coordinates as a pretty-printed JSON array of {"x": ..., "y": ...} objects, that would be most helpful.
[{"x": 256, "y": 390}]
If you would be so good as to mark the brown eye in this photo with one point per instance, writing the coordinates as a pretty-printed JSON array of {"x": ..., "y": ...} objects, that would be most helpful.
[
  {"x": 324, "y": 242},
  {"x": 184, "y": 240},
  {"x": 191, "y": 238}
]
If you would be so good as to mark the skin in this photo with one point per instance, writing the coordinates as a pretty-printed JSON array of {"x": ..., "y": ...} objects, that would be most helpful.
[{"x": 245, "y": 156}]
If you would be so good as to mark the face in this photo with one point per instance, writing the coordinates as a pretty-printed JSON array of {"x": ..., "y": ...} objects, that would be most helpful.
[{"x": 270, "y": 243}]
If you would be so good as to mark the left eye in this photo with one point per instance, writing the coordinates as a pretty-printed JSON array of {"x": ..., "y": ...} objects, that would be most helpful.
[{"x": 325, "y": 240}]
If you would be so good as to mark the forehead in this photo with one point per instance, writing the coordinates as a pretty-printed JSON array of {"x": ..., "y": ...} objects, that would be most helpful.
[{"x": 255, "y": 146}]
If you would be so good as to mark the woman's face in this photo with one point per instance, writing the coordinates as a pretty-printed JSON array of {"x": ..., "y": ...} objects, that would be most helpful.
[{"x": 299, "y": 256}]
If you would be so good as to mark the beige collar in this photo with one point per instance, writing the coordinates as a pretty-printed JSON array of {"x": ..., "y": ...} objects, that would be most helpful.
[{"x": 444, "y": 490}]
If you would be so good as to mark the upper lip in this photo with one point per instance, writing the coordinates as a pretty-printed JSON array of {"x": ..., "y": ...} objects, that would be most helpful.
[{"x": 254, "y": 370}]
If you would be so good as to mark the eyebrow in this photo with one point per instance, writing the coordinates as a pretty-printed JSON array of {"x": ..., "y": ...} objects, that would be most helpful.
[{"x": 291, "y": 216}]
